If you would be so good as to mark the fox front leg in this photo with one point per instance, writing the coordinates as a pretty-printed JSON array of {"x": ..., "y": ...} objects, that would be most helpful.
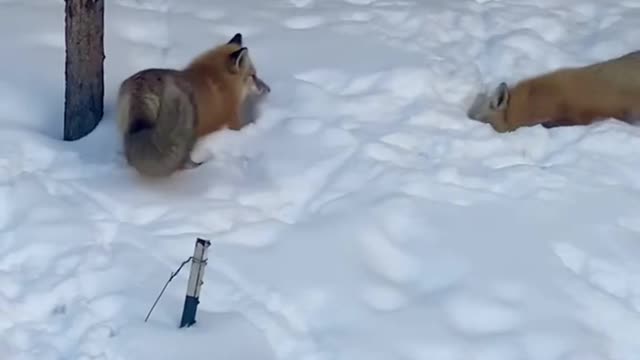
[{"x": 191, "y": 164}]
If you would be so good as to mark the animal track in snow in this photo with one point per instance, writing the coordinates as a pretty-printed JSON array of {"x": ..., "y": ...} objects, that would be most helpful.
[
  {"x": 304, "y": 22},
  {"x": 384, "y": 298},
  {"x": 631, "y": 223},
  {"x": 153, "y": 33},
  {"x": 360, "y": 2},
  {"x": 600, "y": 273},
  {"x": 388, "y": 260},
  {"x": 478, "y": 316},
  {"x": 302, "y": 3}
]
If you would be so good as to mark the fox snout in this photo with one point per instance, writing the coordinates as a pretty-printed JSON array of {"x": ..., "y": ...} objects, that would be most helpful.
[{"x": 261, "y": 87}]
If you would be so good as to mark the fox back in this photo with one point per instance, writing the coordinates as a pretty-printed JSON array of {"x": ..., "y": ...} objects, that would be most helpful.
[{"x": 568, "y": 96}]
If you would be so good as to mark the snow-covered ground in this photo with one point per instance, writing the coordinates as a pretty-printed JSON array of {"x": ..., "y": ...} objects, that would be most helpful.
[{"x": 363, "y": 217}]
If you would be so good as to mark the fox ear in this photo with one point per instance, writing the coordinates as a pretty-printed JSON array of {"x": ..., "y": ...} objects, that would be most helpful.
[
  {"x": 500, "y": 97},
  {"x": 237, "y": 59},
  {"x": 236, "y": 39}
]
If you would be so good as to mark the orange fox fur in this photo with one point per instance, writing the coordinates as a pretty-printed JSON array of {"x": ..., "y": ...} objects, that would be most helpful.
[{"x": 220, "y": 93}]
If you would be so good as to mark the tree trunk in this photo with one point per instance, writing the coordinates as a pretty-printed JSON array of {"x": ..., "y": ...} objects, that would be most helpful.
[{"x": 84, "y": 67}]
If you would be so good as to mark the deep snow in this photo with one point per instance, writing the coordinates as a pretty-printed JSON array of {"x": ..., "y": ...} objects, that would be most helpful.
[{"x": 361, "y": 217}]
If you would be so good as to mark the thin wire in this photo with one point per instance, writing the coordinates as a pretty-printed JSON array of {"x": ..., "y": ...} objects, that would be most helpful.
[{"x": 173, "y": 275}]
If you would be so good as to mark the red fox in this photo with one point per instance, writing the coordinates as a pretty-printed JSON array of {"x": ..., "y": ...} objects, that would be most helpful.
[
  {"x": 565, "y": 97},
  {"x": 163, "y": 112}
]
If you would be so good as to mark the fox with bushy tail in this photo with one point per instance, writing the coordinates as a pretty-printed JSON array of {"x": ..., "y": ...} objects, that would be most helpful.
[{"x": 163, "y": 112}]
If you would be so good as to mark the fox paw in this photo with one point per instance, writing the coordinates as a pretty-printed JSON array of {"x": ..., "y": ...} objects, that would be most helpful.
[{"x": 190, "y": 164}]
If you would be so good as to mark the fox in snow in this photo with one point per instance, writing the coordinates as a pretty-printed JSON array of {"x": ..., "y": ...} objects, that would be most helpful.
[
  {"x": 565, "y": 97},
  {"x": 163, "y": 112}
]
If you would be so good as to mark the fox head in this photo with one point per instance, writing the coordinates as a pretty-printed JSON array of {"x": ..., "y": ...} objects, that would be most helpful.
[
  {"x": 492, "y": 109},
  {"x": 239, "y": 64}
]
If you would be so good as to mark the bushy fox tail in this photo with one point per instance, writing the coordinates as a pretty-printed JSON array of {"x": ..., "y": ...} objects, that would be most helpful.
[{"x": 157, "y": 147}]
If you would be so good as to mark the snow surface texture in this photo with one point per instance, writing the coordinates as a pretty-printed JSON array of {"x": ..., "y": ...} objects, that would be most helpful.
[{"x": 362, "y": 217}]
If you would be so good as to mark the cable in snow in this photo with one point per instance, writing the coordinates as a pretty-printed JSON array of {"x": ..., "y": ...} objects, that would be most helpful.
[{"x": 173, "y": 274}]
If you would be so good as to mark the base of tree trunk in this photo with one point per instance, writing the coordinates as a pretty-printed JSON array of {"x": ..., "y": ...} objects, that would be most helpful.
[{"x": 84, "y": 67}]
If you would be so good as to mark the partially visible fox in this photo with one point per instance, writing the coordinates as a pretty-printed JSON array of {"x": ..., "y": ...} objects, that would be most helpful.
[
  {"x": 565, "y": 97},
  {"x": 162, "y": 112}
]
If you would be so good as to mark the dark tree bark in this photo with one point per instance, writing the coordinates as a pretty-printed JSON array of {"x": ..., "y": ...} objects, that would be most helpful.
[{"x": 84, "y": 67}]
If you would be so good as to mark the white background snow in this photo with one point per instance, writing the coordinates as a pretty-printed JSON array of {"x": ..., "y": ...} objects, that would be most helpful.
[{"x": 363, "y": 217}]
